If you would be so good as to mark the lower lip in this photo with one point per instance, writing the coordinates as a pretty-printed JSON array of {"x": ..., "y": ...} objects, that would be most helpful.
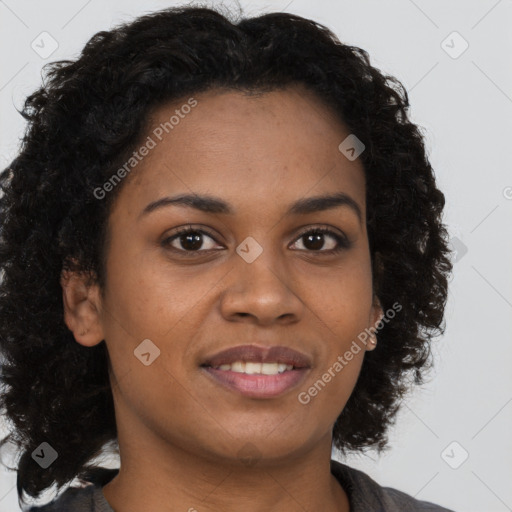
[{"x": 258, "y": 386}]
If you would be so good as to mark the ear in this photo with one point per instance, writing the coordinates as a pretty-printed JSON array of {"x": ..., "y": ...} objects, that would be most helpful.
[
  {"x": 376, "y": 315},
  {"x": 377, "y": 270},
  {"x": 82, "y": 306}
]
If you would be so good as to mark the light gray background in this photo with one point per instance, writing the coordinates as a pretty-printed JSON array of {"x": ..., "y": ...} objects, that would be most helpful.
[{"x": 465, "y": 104}]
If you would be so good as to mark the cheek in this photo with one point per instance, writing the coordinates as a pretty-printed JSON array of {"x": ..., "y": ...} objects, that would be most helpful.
[
  {"x": 341, "y": 299},
  {"x": 327, "y": 391},
  {"x": 341, "y": 307},
  {"x": 143, "y": 294},
  {"x": 148, "y": 299}
]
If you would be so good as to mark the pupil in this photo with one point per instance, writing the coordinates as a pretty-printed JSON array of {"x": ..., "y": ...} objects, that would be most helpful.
[
  {"x": 317, "y": 241},
  {"x": 191, "y": 241}
]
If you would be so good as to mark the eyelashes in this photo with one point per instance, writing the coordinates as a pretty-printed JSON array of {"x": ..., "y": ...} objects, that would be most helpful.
[
  {"x": 193, "y": 237},
  {"x": 341, "y": 240}
]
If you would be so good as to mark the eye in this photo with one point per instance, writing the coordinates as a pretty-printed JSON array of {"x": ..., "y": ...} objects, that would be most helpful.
[
  {"x": 315, "y": 240},
  {"x": 190, "y": 239}
]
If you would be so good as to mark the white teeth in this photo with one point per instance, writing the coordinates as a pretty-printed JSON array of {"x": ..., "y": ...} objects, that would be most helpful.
[
  {"x": 251, "y": 368},
  {"x": 269, "y": 368},
  {"x": 238, "y": 366}
]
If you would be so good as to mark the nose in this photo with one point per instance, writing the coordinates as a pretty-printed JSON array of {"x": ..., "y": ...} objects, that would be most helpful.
[{"x": 263, "y": 292}]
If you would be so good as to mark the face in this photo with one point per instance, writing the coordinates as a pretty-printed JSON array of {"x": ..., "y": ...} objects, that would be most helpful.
[{"x": 249, "y": 270}]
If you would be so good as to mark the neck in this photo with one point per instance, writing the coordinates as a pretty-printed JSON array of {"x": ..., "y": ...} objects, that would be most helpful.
[{"x": 161, "y": 477}]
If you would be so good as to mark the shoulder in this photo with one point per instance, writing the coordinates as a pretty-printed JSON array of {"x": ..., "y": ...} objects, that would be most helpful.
[
  {"x": 366, "y": 494},
  {"x": 79, "y": 499},
  {"x": 88, "y": 498}
]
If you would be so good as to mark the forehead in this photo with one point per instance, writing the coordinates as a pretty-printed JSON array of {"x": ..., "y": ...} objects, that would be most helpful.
[{"x": 249, "y": 149}]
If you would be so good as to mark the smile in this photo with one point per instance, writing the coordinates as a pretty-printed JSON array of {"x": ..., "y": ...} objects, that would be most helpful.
[
  {"x": 257, "y": 371},
  {"x": 257, "y": 385},
  {"x": 251, "y": 368}
]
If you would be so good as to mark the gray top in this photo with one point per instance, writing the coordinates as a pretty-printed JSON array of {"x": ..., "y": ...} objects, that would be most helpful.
[{"x": 364, "y": 494}]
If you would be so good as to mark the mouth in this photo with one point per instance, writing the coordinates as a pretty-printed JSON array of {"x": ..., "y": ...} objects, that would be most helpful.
[{"x": 258, "y": 372}]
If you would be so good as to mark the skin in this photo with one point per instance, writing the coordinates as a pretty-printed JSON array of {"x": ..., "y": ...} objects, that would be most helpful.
[{"x": 182, "y": 436}]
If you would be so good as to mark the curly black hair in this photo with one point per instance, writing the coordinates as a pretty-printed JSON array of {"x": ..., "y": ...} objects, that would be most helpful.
[{"x": 83, "y": 122}]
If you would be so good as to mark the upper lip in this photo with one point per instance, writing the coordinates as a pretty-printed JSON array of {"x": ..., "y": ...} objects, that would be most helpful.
[{"x": 259, "y": 354}]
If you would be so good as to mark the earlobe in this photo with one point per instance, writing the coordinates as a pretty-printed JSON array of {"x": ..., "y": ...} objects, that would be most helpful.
[{"x": 82, "y": 306}]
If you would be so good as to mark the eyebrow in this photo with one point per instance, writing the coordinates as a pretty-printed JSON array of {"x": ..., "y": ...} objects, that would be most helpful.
[{"x": 211, "y": 204}]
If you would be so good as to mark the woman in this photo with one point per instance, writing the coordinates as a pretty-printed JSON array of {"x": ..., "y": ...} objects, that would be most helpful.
[{"x": 223, "y": 252}]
